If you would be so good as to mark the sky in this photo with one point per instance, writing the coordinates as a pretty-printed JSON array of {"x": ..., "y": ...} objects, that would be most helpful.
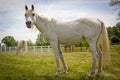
[{"x": 12, "y": 19}]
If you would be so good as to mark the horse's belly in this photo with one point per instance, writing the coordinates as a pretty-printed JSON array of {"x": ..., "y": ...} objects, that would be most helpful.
[{"x": 70, "y": 41}]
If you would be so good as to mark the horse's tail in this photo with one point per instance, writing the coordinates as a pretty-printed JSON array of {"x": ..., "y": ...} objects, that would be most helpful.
[{"x": 105, "y": 46}]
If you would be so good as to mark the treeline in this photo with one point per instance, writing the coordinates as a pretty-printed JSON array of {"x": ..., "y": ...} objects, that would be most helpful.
[{"x": 9, "y": 41}]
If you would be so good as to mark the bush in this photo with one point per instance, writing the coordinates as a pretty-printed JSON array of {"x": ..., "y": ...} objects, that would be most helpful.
[{"x": 115, "y": 40}]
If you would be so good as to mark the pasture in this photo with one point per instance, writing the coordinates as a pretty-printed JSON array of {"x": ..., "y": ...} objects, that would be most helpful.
[{"x": 42, "y": 66}]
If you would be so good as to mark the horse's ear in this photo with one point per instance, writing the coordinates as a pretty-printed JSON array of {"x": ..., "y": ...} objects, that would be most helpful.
[
  {"x": 26, "y": 8},
  {"x": 32, "y": 7}
]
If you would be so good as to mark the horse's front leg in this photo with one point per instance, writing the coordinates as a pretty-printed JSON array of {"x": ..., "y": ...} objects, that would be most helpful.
[
  {"x": 23, "y": 51},
  {"x": 56, "y": 55},
  {"x": 62, "y": 59}
]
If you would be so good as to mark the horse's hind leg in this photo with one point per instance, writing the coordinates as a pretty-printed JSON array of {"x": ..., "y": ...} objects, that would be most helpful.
[
  {"x": 93, "y": 45},
  {"x": 99, "y": 59}
]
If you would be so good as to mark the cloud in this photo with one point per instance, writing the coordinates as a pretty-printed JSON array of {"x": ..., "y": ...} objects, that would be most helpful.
[{"x": 10, "y": 12}]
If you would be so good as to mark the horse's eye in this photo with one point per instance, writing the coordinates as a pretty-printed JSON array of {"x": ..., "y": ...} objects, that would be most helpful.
[{"x": 33, "y": 14}]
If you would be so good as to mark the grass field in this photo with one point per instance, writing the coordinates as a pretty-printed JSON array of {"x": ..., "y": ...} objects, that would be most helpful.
[{"x": 42, "y": 66}]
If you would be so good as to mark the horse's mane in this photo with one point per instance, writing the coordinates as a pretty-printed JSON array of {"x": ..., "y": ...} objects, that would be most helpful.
[{"x": 49, "y": 19}]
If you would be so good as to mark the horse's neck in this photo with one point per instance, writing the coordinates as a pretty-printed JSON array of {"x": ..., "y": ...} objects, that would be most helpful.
[{"x": 41, "y": 23}]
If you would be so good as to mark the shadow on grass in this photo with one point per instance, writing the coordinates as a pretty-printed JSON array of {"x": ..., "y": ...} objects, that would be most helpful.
[{"x": 20, "y": 74}]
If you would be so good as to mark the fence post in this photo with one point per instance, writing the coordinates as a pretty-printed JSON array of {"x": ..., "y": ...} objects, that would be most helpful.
[
  {"x": 48, "y": 49},
  {"x": 9, "y": 49},
  {"x": 34, "y": 49},
  {"x": 5, "y": 48},
  {"x": 41, "y": 49}
]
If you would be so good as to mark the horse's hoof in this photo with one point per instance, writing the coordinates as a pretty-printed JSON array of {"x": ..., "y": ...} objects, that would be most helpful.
[
  {"x": 65, "y": 72},
  {"x": 55, "y": 75},
  {"x": 90, "y": 77},
  {"x": 97, "y": 75}
]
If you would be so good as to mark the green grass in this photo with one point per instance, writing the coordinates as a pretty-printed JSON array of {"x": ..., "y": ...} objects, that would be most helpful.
[{"x": 42, "y": 67}]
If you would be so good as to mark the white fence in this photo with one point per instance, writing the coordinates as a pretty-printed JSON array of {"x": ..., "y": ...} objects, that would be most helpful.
[
  {"x": 31, "y": 49},
  {"x": 45, "y": 49},
  {"x": 40, "y": 49}
]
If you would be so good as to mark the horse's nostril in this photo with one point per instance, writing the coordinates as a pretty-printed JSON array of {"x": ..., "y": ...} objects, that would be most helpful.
[{"x": 28, "y": 22}]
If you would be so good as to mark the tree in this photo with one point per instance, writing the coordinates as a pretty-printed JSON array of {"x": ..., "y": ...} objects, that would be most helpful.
[
  {"x": 29, "y": 43},
  {"x": 116, "y": 4},
  {"x": 118, "y": 29},
  {"x": 40, "y": 41},
  {"x": 109, "y": 30},
  {"x": 9, "y": 41},
  {"x": 115, "y": 31},
  {"x": 84, "y": 43}
]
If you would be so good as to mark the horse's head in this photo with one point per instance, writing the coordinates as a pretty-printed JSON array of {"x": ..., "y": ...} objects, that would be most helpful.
[{"x": 30, "y": 16}]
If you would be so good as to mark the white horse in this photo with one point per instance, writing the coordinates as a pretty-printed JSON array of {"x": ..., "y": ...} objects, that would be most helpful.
[
  {"x": 21, "y": 47},
  {"x": 58, "y": 32}
]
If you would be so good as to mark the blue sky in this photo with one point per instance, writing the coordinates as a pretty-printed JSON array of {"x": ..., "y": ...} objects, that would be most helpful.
[{"x": 12, "y": 20}]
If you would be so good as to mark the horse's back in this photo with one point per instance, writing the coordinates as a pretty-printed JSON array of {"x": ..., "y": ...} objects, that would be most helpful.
[
  {"x": 90, "y": 27},
  {"x": 73, "y": 31},
  {"x": 81, "y": 27}
]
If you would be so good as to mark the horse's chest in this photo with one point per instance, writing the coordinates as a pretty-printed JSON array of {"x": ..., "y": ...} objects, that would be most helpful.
[{"x": 49, "y": 36}]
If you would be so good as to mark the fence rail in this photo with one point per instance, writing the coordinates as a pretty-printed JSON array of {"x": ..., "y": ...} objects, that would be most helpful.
[
  {"x": 40, "y": 49},
  {"x": 48, "y": 49},
  {"x": 31, "y": 49},
  {"x": 45, "y": 49}
]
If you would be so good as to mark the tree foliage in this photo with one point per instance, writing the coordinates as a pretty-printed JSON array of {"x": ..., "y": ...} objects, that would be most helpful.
[
  {"x": 30, "y": 43},
  {"x": 114, "y": 33},
  {"x": 9, "y": 41},
  {"x": 116, "y": 4},
  {"x": 40, "y": 41}
]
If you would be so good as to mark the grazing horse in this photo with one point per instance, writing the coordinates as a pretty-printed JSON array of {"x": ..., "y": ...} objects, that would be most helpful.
[
  {"x": 21, "y": 47},
  {"x": 69, "y": 33}
]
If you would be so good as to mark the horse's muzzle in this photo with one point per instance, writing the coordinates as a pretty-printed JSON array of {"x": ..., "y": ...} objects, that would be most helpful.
[{"x": 28, "y": 24}]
